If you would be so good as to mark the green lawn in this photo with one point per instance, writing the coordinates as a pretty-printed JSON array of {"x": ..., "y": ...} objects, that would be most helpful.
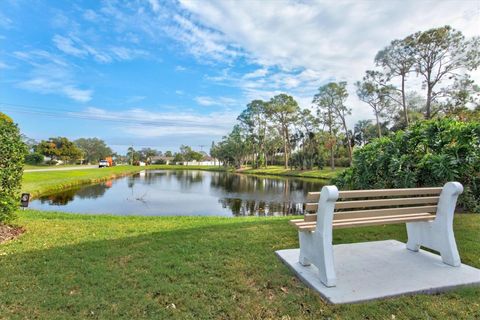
[
  {"x": 104, "y": 267},
  {"x": 44, "y": 166},
  {"x": 38, "y": 183},
  {"x": 325, "y": 173}
]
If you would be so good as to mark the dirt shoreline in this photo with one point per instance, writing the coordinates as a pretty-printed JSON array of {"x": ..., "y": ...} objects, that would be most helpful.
[{"x": 8, "y": 233}]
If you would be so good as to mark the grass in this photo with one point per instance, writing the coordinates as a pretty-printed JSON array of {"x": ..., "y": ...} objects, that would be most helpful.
[
  {"x": 325, "y": 173},
  {"x": 45, "y": 166},
  {"x": 105, "y": 267},
  {"x": 39, "y": 183}
]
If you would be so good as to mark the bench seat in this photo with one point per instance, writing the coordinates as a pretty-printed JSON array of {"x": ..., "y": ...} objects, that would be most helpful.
[{"x": 309, "y": 226}]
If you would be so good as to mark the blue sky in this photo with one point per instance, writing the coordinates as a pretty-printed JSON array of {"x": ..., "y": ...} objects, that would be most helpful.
[{"x": 165, "y": 73}]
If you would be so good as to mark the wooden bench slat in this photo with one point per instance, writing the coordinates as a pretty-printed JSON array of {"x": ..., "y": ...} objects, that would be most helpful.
[
  {"x": 385, "y": 202},
  {"x": 310, "y": 226},
  {"x": 312, "y": 207},
  {"x": 375, "y": 212},
  {"x": 403, "y": 217},
  {"x": 426, "y": 217},
  {"x": 315, "y": 196}
]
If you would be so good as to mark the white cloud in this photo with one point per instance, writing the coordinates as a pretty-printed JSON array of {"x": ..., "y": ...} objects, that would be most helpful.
[
  {"x": 180, "y": 68},
  {"x": 302, "y": 45},
  {"x": 215, "y": 101},
  {"x": 68, "y": 46},
  {"x": 155, "y": 5},
  {"x": 5, "y": 22},
  {"x": 147, "y": 124},
  {"x": 202, "y": 42},
  {"x": 50, "y": 74},
  {"x": 77, "y": 94},
  {"x": 73, "y": 45},
  {"x": 90, "y": 15}
]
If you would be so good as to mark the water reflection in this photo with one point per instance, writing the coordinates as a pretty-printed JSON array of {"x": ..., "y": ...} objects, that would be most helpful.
[
  {"x": 64, "y": 197},
  {"x": 186, "y": 192}
]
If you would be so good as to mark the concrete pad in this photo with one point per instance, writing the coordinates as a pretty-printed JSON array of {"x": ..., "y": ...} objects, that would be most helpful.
[{"x": 379, "y": 269}]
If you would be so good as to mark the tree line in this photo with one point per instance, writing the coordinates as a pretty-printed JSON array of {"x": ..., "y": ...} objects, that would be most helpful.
[
  {"x": 92, "y": 150},
  {"x": 423, "y": 76}
]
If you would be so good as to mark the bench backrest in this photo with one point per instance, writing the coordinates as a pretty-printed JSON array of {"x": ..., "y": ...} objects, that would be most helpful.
[{"x": 377, "y": 203}]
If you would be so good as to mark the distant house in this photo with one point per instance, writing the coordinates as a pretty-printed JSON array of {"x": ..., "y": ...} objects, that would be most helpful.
[
  {"x": 206, "y": 161},
  {"x": 161, "y": 160}
]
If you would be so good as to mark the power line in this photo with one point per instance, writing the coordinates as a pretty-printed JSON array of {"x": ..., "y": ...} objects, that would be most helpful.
[{"x": 69, "y": 114}]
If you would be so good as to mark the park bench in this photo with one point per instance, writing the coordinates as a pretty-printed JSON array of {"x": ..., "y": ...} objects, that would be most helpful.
[{"x": 427, "y": 212}]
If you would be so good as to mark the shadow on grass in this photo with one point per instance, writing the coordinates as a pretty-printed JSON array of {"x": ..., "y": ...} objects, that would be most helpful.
[{"x": 218, "y": 271}]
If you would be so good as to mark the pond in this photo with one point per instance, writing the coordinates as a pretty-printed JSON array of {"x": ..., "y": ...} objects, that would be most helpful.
[{"x": 185, "y": 192}]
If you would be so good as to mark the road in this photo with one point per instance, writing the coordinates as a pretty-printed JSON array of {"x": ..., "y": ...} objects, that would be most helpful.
[{"x": 63, "y": 169}]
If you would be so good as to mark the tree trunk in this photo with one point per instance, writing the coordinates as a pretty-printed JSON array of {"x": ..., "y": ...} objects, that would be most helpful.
[
  {"x": 404, "y": 102},
  {"x": 379, "y": 129},
  {"x": 429, "y": 102},
  {"x": 330, "y": 130},
  {"x": 286, "y": 147},
  {"x": 348, "y": 141}
]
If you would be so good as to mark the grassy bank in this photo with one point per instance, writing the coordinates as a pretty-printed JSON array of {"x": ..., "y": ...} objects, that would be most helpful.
[
  {"x": 325, "y": 173},
  {"x": 38, "y": 183},
  {"x": 44, "y": 166},
  {"x": 104, "y": 267}
]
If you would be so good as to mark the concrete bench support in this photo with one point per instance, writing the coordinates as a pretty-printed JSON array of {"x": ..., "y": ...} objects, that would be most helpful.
[
  {"x": 317, "y": 247},
  {"x": 438, "y": 234}
]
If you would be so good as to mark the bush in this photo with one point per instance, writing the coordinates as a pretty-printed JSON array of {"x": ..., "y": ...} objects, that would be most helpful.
[
  {"x": 12, "y": 156},
  {"x": 34, "y": 158},
  {"x": 429, "y": 153},
  {"x": 160, "y": 161},
  {"x": 342, "y": 162}
]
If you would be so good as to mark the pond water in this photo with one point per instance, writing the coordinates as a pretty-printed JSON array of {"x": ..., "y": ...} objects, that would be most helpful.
[{"x": 185, "y": 192}]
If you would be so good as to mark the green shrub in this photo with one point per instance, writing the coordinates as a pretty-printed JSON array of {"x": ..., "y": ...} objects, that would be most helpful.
[
  {"x": 342, "y": 162},
  {"x": 429, "y": 153},
  {"x": 12, "y": 155},
  {"x": 34, "y": 158}
]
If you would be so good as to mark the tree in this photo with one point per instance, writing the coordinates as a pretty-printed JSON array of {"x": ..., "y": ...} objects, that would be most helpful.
[
  {"x": 132, "y": 155},
  {"x": 283, "y": 110},
  {"x": 307, "y": 125},
  {"x": 188, "y": 154},
  {"x": 93, "y": 149},
  {"x": 146, "y": 154},
  {"x": 168, "y": 153},
  {"x": 232, "y": 149},
  {"x": 34, "y": 158},
  {"x": 273, "y": 144},
  {"x": 397, "y": 62},
  {"x": 463, "y": 93},
  {"x": 31, "y": 143},
  {"x": 377, "y": 96},
  {"x": 59, "y": 147},
  {"x": 330, "y": 100},
  {"x": 362, "y": 132},
  {"x": 254, "y": 121},
  {"x": 48, "y": 149},
  {"x": 442, "y": 53},
  {"x": 12, "y": 155}
]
